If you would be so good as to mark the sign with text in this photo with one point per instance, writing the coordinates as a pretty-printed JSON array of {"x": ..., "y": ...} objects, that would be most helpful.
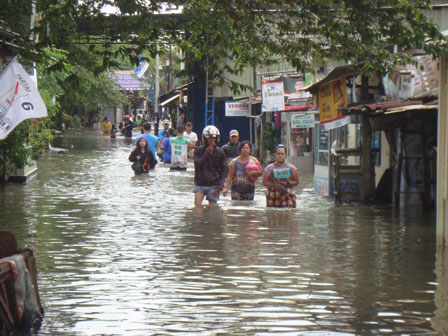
[
  {"x": 332, "y": 96},
  {"x": 19, "y": 98},
  {"x": 127, "y": 80},
  {"x": 237, "y": 109},
  {"x": 299, "y": 120},
  {"x": 273, "y": 97}
]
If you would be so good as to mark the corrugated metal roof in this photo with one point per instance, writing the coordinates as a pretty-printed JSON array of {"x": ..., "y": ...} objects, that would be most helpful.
[
  {"x": 411, "y": 108},
  {"x": 390, "y": 107}
]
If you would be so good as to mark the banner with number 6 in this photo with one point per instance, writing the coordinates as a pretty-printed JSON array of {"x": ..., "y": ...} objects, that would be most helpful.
[{"x": 19, "y": 98}]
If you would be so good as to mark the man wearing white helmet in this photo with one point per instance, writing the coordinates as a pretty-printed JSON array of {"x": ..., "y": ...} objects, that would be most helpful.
[{"x": 210, "y": 168}]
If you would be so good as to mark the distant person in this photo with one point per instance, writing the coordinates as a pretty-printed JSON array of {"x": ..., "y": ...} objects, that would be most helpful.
[
  {"x": 113, "y": 131},
  {"x": 239, "y": 177},
  {"x": 151, "y": 139},
  {"x": 189, "y": 134},
  {"x": 128, "y": 127},
  {"x": 142, "y": 157},
  {"x": 138, "y": 121},
  {"x": 106, "y": 126},
  {"x": 179, "y": 150},
  {"x": 231, "y": 148},
  {"x": 279, "y": 178},
  {"x": 166, "y": 146},
  {"x": 163, "y": 133},
  {"x": 192, "y": 136},
  {"x": 121, "y": 124},
  {"x": 210, "y": 168}
]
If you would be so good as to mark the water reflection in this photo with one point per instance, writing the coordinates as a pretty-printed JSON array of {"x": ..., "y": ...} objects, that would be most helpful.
[{"x": 120, "y": 254}]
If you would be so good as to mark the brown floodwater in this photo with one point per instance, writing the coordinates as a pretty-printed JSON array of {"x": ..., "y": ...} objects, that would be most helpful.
[{"x": 119, "y": 254}]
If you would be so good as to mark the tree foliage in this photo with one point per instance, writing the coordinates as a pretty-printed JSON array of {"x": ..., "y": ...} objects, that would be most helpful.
[{"x": 250, "y": 32}]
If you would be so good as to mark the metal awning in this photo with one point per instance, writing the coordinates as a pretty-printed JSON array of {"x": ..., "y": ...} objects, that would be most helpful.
[
  {"x": 169, "y": 100},
  {"x": 411, "y": 108}
]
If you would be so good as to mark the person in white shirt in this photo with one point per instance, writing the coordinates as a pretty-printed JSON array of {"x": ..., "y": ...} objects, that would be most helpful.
[{"x": 193, "y": 137}]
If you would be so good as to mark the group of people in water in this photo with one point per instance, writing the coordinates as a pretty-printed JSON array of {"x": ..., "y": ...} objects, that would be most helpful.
[{"x": 218, "y": 170}]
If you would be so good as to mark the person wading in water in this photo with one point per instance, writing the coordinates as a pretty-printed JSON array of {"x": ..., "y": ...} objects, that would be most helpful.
[
  {"x": 242, "y": 182},
  {"x": 210, "y": 168},
  {"x": 280, "y": 177}
]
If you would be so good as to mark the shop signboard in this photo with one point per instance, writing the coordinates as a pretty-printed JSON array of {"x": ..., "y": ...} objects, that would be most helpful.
[
  {"x": 237, "y": 109},
  {"x": 273, "y": 97},
  {"x": 332, "y": 96},
  {"x": 299, "y": 120},
  {"x": 127, "y": 80}
]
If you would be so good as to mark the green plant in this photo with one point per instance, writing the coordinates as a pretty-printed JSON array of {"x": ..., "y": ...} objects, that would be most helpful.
[
  {"x": 14, "y": 152},
  {"x": 271, "y": 137}
]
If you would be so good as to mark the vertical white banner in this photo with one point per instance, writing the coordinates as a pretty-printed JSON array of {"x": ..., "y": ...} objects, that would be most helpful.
[{"x": 19, "y": 98}]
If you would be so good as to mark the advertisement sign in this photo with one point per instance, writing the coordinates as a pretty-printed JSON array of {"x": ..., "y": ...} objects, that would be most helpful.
[
  {"x": 302, "y": 121},
  {"x": 332, "y": 96},
  {"x": 237, "y": 109},
  {"x": 273, "y": 98},
  {"x": 127, "y": 80},
  {"x": 296, "y": 98}
]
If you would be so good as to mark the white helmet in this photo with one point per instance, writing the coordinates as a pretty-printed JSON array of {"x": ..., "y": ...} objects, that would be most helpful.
[{"x": 210, "y": 132}]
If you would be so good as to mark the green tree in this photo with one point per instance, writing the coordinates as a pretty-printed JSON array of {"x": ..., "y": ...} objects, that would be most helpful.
[
  {"x": 70, "y": 93},
  {"x": 247, "y": 31}
]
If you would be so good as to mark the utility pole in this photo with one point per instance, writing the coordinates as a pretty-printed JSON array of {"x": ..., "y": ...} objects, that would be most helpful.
[
  {"x": 169, "y": 71},
  {"x": 156, "y": 95}
]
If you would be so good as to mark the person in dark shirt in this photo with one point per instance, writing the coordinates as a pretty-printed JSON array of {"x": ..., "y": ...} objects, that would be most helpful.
[
  {"x": 231, "y": 148},
  {"x": 128, "y": 127},
  {"x": 144, "y": 155},
  {"x": 210, "y": 168}
]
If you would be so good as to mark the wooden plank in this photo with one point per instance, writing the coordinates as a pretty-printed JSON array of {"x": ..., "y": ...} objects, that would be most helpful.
[
  {"x": 6, "y": 315},
  {"x": 32, "y": 268},
  {"x": 8, "y": 306}
]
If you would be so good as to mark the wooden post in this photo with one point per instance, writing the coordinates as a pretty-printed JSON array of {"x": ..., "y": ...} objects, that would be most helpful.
[
  {"x": 366, "y": 160},
  {"x": 425, "y": 172},
  {"x": 442, "y": 174},
  {"x": 397, "y": 193},
  {"x": 366, "y": 155},
  {"x": 8, "y": 244}
]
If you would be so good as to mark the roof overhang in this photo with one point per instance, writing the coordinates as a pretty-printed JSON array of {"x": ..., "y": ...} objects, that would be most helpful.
[
  {"x": 345, "y": 70},
  {"x": 169, "y": 100}
]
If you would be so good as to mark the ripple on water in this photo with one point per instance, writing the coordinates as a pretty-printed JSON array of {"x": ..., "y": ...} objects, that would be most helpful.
[{"x": 120, "y": 254}]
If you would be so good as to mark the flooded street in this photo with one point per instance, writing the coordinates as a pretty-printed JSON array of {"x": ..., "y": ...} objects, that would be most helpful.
[{"x": 119, "y": 254}]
